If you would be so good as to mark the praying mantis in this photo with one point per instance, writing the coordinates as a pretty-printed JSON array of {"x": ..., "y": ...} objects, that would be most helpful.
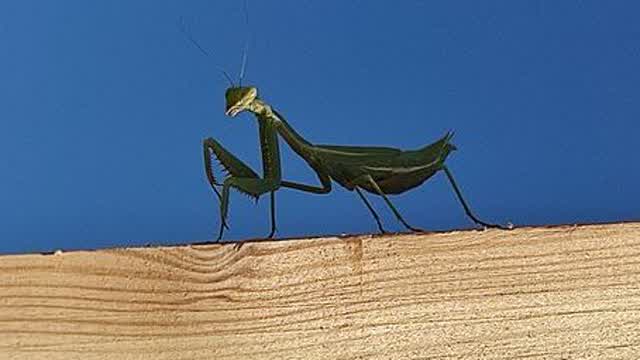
[
  {"x": 378, "y": 170},
  {"x": 381, "y": 171}
]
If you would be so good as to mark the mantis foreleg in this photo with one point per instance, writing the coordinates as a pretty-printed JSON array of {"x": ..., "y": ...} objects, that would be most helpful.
[
  {"x": 247, "y": 181},
  {"x": 229, "y": 162},
  {"x": 236, "y": 170},
  {"x": 250, "y": 186}
]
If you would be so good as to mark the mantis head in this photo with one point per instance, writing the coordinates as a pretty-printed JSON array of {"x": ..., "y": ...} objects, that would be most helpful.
[{"x": 239, "y": 99}]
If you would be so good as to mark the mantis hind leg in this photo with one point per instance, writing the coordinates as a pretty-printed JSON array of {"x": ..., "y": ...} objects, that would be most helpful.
[
  {"x": 368, "y": 180},
  {"x": 373, "y": 212},
  {"x": 467, "y": 210}
]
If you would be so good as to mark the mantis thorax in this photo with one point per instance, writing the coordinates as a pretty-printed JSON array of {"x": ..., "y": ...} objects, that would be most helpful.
[{"x": 261, "y": 109}]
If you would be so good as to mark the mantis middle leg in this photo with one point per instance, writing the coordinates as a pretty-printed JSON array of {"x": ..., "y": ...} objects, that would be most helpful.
[{"x": 324, "y": 188}]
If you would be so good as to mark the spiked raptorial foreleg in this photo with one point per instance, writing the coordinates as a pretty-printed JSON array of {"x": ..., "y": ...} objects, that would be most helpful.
[
  {"x": 368, "y": 180},
  {"x": 239, "y": 244},
  {"x": 235, "y": 168},
  {"x": 467, "y": 210},
  {"x": 249, "y": 186},
  {"x": 231, "y": 164}
]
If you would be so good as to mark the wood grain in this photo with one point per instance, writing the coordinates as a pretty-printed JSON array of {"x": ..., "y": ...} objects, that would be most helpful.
[{"x": 570, "y": 292}]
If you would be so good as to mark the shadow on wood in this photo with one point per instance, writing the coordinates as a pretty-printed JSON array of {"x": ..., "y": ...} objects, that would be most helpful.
[{"x": 557, "y": 292}]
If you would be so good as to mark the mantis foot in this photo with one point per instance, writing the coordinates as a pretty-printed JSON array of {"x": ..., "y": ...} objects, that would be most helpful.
[
  {"x": 223, "y": 225},
  {"x": 496, "y": 226},
  {"x": 417, "y": 230}
]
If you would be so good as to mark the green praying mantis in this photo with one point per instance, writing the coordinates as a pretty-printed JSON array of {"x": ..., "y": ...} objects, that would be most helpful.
[
  {"x": 381, "y": 171},
  {"x": 378, "y": 170}
]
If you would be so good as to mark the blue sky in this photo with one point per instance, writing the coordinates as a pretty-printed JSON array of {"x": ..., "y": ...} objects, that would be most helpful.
[{"x": 104, "y": 105}]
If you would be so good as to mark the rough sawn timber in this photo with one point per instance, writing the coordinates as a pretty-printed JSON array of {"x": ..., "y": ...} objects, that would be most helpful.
[{"x": 566, "y": 292}]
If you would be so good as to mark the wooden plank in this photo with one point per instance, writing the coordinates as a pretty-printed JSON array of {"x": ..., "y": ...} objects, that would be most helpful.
[{"x": 555, "y": 293}]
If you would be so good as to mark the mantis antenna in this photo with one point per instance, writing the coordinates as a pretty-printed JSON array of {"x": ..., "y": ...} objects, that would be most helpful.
[
  {"x": 187, "y": 33},
  {"x": 245, "y": 53}
]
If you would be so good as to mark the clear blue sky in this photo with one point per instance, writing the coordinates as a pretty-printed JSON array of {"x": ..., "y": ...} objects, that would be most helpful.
[{"x": 104, "y": 105}]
